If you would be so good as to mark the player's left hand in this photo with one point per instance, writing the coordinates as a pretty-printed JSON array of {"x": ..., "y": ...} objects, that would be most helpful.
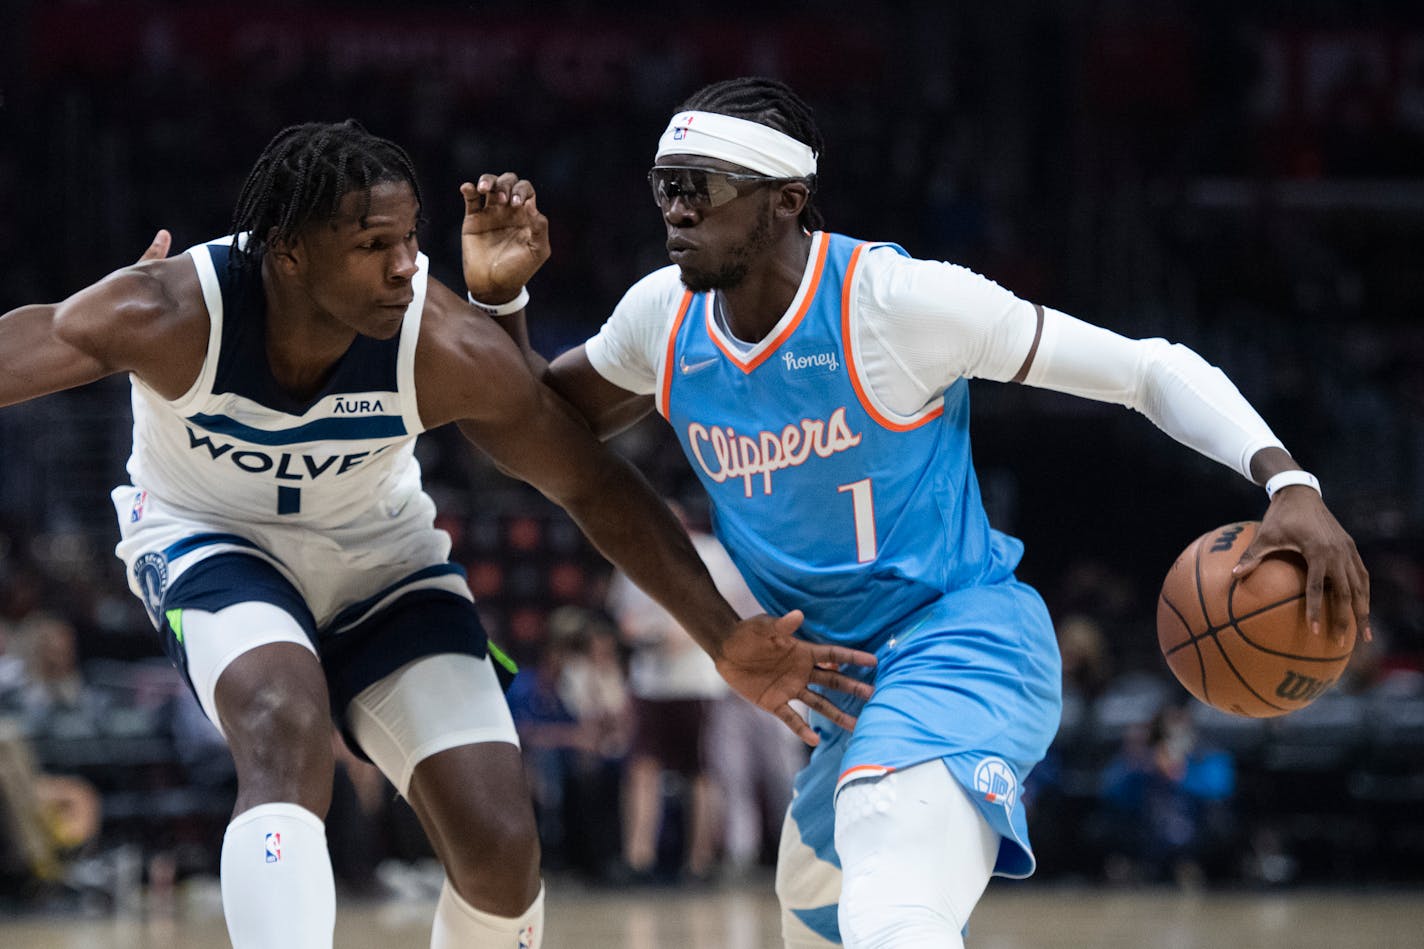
[
  {"x": 504, "y": 238},
  {"x": 770, "y": 667},
  {"x": 1297, "y": 519}
]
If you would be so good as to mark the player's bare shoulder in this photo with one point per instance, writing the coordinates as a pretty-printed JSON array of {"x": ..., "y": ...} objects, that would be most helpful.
[
  {"x": 148, "y": 319},
  {"x": 466, "y": 366}
]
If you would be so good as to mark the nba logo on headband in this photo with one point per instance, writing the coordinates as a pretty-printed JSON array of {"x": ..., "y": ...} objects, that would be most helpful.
[{"x": 752, "y": 145}]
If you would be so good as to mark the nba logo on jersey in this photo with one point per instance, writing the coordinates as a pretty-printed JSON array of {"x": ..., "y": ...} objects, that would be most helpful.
[
  {"x": 526, "y": 938},
  {"x": 995, "y": 780},
  {"x": 136, "y": 512},
  {"x": 274, "y": 848}
]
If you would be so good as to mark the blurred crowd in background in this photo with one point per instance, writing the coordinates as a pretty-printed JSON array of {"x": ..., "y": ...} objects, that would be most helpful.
[{"x": 1247, "y": 181}]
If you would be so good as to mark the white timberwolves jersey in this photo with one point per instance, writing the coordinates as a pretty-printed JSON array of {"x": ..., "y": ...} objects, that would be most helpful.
[{"x": 237, "y": 446}]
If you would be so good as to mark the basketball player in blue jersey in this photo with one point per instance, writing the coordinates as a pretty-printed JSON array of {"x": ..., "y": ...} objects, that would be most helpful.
[
  {"x": 818, "y": 385},
  {"x": 277, "y": 530}
]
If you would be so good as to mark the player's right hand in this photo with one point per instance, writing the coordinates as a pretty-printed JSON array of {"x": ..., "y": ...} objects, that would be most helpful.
[
  {"x": 504, "y": 238},
  {"x": 1297, "y": 519},
  {"x": 770, "y": 667}
]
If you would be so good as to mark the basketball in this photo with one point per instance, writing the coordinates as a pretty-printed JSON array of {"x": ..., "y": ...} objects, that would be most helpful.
[{"x": 1245, "y": 646}]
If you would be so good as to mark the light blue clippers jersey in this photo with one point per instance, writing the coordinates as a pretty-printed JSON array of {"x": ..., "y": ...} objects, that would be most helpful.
[{"x": 826, "y": 504}]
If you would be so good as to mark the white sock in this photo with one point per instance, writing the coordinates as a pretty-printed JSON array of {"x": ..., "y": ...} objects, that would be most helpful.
[
  {"x": 277, "y": 887},
  {"x": 458, "y": 925}
]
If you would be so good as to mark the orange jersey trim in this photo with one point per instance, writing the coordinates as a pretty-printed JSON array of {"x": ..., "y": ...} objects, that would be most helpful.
[
  {"x": 665, "y": 390},
  {"x": 747, "y": 366},
  {"x": 847, "y": 343},
  {"x": 862, "y": 770}
]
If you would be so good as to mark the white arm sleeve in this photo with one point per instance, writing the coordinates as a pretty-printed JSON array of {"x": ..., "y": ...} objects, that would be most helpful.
[
  {"x": 1184, "y": 395},
  {"x": 629, "y": 348},
  {"x": 921, "y": 325}
]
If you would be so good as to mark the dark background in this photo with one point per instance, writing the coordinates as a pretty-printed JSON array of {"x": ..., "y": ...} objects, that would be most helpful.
[{"x": 1244, "y": 178}]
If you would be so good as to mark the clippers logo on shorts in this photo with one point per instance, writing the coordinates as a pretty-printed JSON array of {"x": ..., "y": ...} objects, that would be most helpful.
[
  {"x": 995, "y": 780},
  {"x": 274, "y": 848},
  {"x": 136, "y": 512},
  {"x": 151, "y": 576}
]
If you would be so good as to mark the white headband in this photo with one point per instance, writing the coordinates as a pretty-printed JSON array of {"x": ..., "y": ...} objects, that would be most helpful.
[{"x": 750, "y": 144}]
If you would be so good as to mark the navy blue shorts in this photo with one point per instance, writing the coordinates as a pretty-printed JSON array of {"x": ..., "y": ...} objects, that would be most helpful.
[{"x": 423, "y": 623}]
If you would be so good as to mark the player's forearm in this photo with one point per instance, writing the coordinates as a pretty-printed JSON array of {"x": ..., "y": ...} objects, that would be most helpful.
[
  {"x": 517, "y": 328},
  {"x": 1179, "y": 391},
  {"x": 1200, "y": 407},
  {"x": 1269, "y": 462},
  {"x": 635, "y": 530}
]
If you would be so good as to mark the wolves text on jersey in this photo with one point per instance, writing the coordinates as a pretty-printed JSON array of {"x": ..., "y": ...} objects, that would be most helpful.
[
  {"x": 286, "y": 466},
  {"x": 745, "y": 456}
]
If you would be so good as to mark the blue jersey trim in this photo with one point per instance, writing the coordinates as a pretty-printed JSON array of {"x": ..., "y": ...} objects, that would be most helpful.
[
  {"x": 189, "y": 544},
  {"x": 356, "y": 609},
  {"x": 326, "y": 429}
]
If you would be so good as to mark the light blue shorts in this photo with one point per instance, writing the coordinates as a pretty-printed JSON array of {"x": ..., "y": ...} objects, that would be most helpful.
[{"x": 974, "y": 680}]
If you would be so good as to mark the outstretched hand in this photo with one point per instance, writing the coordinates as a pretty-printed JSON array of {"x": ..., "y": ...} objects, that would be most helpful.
[
  {"x": 1298, "y": 520},
  {"x": 767, "y": 665},
  {"x": 504, "y": 238}
]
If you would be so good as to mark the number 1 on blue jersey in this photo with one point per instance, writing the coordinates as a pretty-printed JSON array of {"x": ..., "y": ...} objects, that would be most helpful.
[{"x": 862, "y": 504}]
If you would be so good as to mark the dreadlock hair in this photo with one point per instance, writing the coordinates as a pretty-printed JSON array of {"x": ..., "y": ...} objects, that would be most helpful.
[
  {"x": 301, "y": 177},
  {"x": 772, "y": 103}
]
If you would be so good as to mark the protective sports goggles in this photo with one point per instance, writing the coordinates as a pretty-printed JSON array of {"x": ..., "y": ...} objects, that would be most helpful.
[{"x": 700, "y": 188}]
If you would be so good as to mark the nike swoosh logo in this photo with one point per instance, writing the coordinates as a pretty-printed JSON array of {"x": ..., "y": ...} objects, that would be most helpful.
[{"x": 688, "y": 368}]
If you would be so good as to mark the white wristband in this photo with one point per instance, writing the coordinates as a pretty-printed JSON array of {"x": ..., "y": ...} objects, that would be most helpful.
[
  {"x": 502, "y": 309},
  {"x": 1294, "y": 476}
]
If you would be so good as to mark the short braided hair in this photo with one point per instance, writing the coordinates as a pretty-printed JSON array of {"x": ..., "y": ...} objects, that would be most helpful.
[
  {"x": 772, "y": 103},
  {"x": 302, "y": 175}
]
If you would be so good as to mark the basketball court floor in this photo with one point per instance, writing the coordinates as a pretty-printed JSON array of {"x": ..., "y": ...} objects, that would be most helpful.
[{"x": 1010, "y": 917}]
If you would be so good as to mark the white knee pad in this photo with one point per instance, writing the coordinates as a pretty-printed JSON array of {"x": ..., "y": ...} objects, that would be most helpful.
[
  {"x": 916, "y": 856},
  {"x": 807, "y": 888},
  {"x": 426, "y": 706}
]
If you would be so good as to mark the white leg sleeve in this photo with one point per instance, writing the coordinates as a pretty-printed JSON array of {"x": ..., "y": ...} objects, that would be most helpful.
[
  {"x": 915, "y": 857},
  {"x": 213, "y": 640},
  {"x": 426, "y": 706},
  {"x": 277, "y": 887},
  {"x": 458, "y": 925}
]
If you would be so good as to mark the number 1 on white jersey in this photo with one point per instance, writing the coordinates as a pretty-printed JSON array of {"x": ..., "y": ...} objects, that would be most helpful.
[{"x": 863, "y": 505}]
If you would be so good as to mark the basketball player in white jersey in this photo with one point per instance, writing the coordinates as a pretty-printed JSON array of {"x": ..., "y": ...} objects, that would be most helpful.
[
  {"x": 818, "y": 385},
  {"x": 277, "y": 531}
]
